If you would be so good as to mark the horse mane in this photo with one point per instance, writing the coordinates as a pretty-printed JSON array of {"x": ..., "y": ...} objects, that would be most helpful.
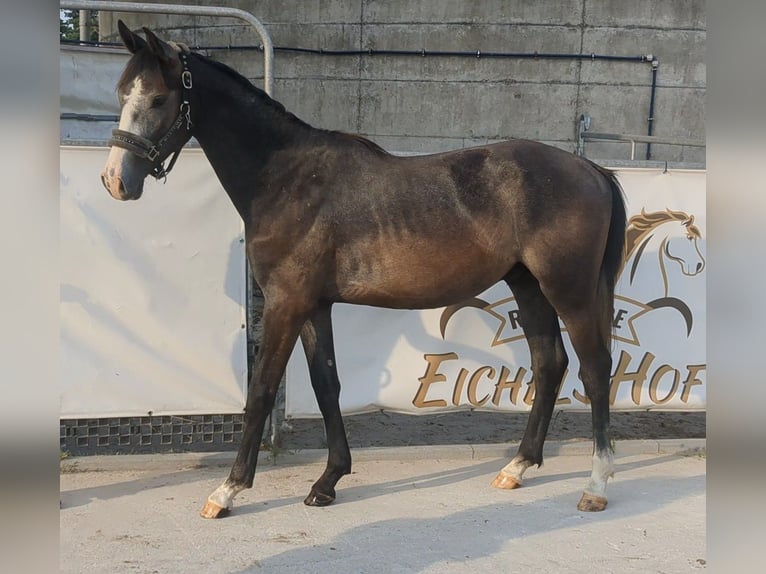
[
  {"x": 356, "y": 138},
  {"x": 249, "y": 87},
  {"x": 278, "y": 107},
  {"x": 640, "y": 225}
]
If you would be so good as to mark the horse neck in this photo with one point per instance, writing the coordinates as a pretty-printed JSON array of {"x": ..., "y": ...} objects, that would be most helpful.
[{"x": 239, "y": 129}]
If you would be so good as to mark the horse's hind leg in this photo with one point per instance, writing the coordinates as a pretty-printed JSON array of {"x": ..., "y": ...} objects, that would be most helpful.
[
  {"x": 595, "y": 367},
  {"x": 317, "y": 340},
  {"x": 592, "y": 349},
  {"x": 549, "y": 362}
]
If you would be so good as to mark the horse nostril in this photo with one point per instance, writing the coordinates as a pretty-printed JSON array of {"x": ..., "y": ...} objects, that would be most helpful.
[
  {"x": 699, "y": 266},
  {"x": 104, "y": 182}
]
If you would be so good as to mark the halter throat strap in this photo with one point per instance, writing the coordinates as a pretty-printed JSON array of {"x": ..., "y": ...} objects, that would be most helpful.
[{"x": 156, "y": 152}]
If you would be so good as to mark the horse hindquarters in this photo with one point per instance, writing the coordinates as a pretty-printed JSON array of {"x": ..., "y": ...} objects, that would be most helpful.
[
  {"x": 589, "y": 325},
  {"x": 577, "y": 279}
]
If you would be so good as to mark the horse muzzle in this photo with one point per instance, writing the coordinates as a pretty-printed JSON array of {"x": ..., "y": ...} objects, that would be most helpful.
[{"x": 116, "y": 187}]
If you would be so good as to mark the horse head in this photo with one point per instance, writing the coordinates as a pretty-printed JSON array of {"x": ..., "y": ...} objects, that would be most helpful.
[
  {"x": 680, "y": 246},
  {"x": 684, "y": 248},
  {"x": 155, "y": 120}
]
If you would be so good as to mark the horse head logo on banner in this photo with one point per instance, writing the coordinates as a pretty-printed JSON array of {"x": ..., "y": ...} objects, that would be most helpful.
[{"x": 662, "y": 248}]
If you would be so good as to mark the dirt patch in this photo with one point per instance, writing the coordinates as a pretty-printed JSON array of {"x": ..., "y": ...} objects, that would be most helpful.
[{"x": 390, "y": 429}]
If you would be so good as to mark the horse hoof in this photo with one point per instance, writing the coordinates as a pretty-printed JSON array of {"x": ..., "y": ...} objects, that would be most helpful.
[
  {"x": 212, "y": 510},
  {"x": 318, "y": 499},
  {"x": 505, "y": 481},
  {"x": 591, "y": 503}
]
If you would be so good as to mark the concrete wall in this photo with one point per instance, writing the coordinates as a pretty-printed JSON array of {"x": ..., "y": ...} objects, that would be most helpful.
[{"x": 431, "y": 104}]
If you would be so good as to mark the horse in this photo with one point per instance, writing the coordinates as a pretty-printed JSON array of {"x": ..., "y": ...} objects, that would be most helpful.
[
  {"x": 674, "y": 240},
  {"x": 332, "y": 217}
]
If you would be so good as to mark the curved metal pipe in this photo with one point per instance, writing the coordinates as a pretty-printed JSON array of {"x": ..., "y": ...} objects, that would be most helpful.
[{"x": 268, "y": 47}]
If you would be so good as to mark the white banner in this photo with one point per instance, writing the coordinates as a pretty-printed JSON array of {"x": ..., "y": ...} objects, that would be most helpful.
[
  {"x": 438, "y": 360},
  {"x": 152, "y": 294}
]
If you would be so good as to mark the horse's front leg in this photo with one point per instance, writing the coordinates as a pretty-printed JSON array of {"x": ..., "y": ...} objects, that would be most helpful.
[{"x": 281, "y": 325}]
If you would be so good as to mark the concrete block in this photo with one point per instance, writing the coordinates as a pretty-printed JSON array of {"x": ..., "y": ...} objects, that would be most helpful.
[
  {"x": 297, "y": 66},
  {"x": 328, "y": 104},
  {"x": 485, "y": 38},
  {"x": 416, "y": 144},
  {"x": 457, "y": 109},
  {"x": 426, "y": 104},
  {"x": 487, "y": 11},
  {"x": 670, "y": 153},
  {"x": 690, "y": 157},
  {"x": 290, "y": 64},
  {"x": 342, "y": 36},
  {"x": 107, "y": 23},
  {"x": 613, "y": 150},
  {"x": 473, "y": 142},
  {"x": 319, "y": 36},
  {"x": 681, "y": 54},
  {"x": 680, "y": 113},
  {"x": 249, "y": 64},
  {"x": 682, "y": 14},
  {"x": 567, "y": 145},
  {"x": 234, "y": 34},
  {"x": 278, "y": 11},
  {"x": 615, "y": 109}
]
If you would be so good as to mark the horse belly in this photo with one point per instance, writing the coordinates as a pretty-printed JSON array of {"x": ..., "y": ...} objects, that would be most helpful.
[{"x": 413, "y": 275}]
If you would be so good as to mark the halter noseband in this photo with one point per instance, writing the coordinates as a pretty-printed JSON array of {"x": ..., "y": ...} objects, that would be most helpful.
[{"x": 156, "y": 153}]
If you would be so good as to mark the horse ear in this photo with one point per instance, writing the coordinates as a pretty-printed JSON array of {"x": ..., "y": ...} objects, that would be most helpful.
[
  {"x": 133, "y": 42},
  {"x": 161, "y": 49}
]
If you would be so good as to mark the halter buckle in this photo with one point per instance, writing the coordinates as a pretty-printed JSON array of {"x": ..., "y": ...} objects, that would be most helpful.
[
  {"x": 152, "y": 154},
  {"x": 186, "y": 79}
]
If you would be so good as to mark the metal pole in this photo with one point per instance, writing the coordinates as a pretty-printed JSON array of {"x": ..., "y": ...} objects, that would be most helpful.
[
  {"x": 84, "y": 25},
  {"x": 650, "y": 126},
  {"x": 268, "y": 47},
  {"x": 268, "y": 78}
]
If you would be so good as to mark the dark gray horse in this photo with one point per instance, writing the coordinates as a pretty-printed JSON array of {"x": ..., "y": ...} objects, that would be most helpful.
[{"x": 331, "y": 217}]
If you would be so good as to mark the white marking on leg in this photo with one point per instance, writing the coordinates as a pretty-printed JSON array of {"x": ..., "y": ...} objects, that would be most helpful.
[
  {"x": 516, "y": 468},
  {"x": 603, "y": 469},
  {"x": 224, "y": 494}
]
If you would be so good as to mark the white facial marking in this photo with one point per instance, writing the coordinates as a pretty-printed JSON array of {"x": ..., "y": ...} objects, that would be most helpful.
[{"x": 131, "y": 108}]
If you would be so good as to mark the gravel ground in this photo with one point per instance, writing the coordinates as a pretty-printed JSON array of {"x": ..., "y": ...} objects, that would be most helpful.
[{"x": 467, "y": 427}]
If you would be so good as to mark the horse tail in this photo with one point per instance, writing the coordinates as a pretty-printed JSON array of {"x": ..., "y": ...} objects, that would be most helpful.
[{"x": 614, "y": 255}]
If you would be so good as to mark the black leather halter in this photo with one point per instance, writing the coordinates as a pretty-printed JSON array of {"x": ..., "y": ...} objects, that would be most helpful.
[{"x": 156, "y": 153}]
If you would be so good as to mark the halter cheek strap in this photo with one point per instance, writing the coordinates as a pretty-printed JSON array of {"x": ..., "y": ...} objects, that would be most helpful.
[{"x": 156, "y": 153}]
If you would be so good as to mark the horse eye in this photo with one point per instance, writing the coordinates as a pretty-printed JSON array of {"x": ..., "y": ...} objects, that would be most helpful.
[{"x": 159, "y": 101}]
